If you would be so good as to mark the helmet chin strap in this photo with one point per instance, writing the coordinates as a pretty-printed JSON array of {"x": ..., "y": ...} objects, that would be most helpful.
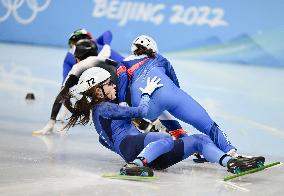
[{"x": 106, "y": 97}]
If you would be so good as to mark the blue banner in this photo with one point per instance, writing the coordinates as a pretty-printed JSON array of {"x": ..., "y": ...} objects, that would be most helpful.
[{"x": 247, "y": 32}]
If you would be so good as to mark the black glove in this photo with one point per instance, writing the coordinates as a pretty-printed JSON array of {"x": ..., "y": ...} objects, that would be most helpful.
[
  {"x": 71, "y": 81},
  {"x": 111, "y": 62}
]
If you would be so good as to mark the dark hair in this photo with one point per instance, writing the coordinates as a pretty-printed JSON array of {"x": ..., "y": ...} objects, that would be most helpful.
[
  {"x": 143, "y": 50},
  {"x": 82, "y": 108}
]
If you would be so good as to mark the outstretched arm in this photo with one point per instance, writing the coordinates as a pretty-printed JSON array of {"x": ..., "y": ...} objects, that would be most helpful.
[{"x": 114, "y": 111}]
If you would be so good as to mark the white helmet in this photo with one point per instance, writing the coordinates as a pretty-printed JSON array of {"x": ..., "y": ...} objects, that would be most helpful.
[
  {"x": 90, "y": 78},
  {"x": 145, "y": 41}
]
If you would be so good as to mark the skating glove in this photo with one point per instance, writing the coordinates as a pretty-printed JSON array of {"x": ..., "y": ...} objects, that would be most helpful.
[{"x": 152, "y": 85}]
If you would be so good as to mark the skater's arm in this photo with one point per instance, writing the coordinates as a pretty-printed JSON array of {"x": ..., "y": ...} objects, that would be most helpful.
[
  {"x": 56, "y": 107},
  {"x": 114, "y": 111}
]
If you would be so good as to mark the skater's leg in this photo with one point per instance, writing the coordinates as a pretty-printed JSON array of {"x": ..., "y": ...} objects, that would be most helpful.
[
  {"x": 220, "y": 139},
  {"x": 156, "y": 144},
  {"x": 148, "y": 145},
  {"x": 202, "y": 144},
  {"x": 189, "y": 111}
]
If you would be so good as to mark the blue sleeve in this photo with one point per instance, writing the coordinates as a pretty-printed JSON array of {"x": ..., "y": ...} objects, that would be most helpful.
[
  {"x": 116, "y": 56},
  {"x": 122, "y": 83},
  {"x": 170, "y": 72},
  {"x": 114, "y": 111},
  {"x": 105, "y": 38},
  {"x": 68, "y": 63}
]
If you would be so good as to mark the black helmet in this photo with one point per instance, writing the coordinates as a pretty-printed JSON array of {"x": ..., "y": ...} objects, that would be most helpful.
[
  {"x": 85, "y": 48},
  {"x": 77, "y": 35}
]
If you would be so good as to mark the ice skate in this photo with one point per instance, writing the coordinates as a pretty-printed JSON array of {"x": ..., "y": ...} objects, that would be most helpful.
[
  {"x": 241, "y": 164},
  {"x": 233, "y": 153},
  {"x": 132, "y": 169},
  {"x": 47, "y": 130}
]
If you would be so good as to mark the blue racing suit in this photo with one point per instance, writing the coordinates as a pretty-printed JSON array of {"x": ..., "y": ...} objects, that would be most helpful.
[
  {"x": 169, "y": 98},
  {"x": 113, "y": 125},
  {"x": 123, "y": 76}
]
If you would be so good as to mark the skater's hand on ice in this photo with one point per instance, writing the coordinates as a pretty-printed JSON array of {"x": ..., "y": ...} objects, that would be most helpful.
[{"x": 152, "y": 85}]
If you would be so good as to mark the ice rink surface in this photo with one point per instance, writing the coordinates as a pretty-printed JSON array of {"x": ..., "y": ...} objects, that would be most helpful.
[{"x": 246, "y": 101}]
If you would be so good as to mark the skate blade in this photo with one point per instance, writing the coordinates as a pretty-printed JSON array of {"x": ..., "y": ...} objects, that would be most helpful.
[{"x": 251, "y": 171}]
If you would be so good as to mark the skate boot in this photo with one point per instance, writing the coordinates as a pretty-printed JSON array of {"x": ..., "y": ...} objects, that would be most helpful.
[
  {"x": 241, "y": 164},
  {"x": 131, "y": 169},
  {"x": 178, "y": 133},
  {"x": 48, "y": 129}
]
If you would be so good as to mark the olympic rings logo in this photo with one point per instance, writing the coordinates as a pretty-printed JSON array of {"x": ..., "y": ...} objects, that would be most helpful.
[{"x": 13, "y": 7}]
